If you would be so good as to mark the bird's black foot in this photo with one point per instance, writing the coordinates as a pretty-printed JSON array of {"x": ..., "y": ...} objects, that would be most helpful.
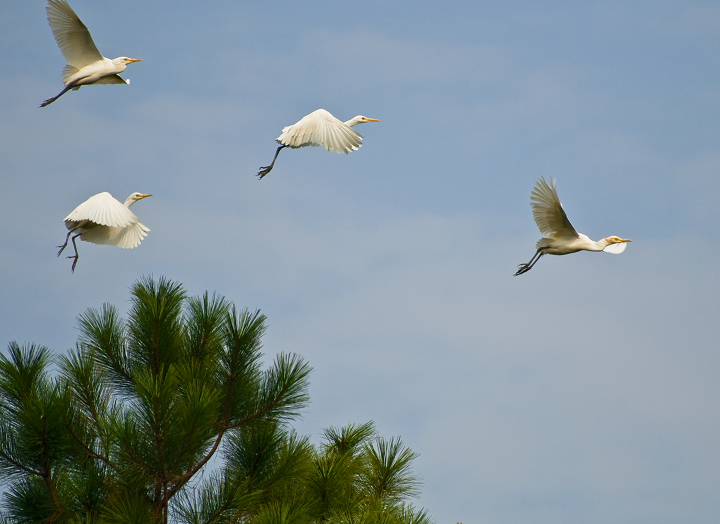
[
  {"x": 72, "y": 269},
  {"x": 523, "y": 268},
  {"x": 67, "y": 239},
  {"x": 264, "y": 171},
  {"x": 48, "y": 101}
]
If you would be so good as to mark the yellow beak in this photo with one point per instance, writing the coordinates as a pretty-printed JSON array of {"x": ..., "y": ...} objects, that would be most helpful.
[
  {"x": 134, "y": 59},
  {"x": 372, "y": 120}
]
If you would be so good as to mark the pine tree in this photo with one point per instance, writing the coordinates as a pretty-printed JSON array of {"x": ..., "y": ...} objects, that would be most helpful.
[{"x": 169, "y": 416}]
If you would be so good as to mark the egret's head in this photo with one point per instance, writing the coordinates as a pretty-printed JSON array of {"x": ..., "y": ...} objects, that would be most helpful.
[
  {"x": 617, "y": 240},
  {"x": 615, "y": 245},
  {"x": 134, "y": 198},
  {"x": 360, "y": 120},
  {"x": 121, "y": 63}
]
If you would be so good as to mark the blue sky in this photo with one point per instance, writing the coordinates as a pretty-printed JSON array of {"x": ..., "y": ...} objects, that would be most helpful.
[{"x": 583, "y": 391}]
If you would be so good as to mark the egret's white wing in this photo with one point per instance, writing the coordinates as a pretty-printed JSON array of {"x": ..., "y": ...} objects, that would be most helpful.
[
  {"x": 72, "y": 37},
  {"x": 68, "y": 71},
  {"x": 549, "y": 215},
  {"x": 615, "y": 249},
  {"x": 124, "y": 237},
  {"x": 131, "y": 236},
  {"x": 101, "y": 209},
  {"x": 111, "y": 79},
  {"x": 320, "y": 128}
]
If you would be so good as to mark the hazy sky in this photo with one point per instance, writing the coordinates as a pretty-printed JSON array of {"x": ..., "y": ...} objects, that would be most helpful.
[{"x": 585, "y": 391}]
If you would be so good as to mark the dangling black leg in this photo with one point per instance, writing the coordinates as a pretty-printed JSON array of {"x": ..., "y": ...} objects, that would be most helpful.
[
  {"x": 265, "y": 170},
  {"x": 524, "y": 268},
  {"x": 51, "y": 100},
  {"x": 62, "y": 248},
  {"x": 76, "y": 253}
]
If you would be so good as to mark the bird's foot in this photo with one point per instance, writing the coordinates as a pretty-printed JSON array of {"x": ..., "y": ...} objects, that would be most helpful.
[
  {"x": 523, "y": 268},
  {"x": 48, "y": 101},
  {"x": 72, "y": 269},
  {"x": 264, "y": 171},
  {"x": 62, "y": 248}
]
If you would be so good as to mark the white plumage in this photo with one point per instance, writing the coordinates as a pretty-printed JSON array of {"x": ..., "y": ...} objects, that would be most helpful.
[
  {"x": 320, "y": 128},
  {"x": 85, "y": 64},
  {"x": 101, "y": 219},
  {"x": 559, "y": 235}
]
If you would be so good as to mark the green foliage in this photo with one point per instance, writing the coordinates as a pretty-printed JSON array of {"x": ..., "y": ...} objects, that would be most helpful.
[{"x": 126, "y": 429}]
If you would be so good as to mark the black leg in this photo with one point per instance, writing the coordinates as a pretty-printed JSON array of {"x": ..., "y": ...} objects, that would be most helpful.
[
  {"x": 265, "y": 170},
  {"x": 62, "y": 248},
  {"x": 76, "y": 253},
  {"x": 51, "y": 100},
  {"x": 524, "y": 268}
]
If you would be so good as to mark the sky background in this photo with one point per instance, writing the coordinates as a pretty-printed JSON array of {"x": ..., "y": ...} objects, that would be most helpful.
[{"x": 585, "y": 391}]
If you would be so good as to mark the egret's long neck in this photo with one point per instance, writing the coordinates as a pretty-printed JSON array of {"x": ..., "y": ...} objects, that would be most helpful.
[
  {"x": 354, "y": 121},
  {"x": 601, "y": 244},
  {"x": 589, "y": 244}
]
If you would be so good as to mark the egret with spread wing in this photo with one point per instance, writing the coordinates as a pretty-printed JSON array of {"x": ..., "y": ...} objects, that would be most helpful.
[
  {"x": 560, "y": 237},
  {"x": 320, "y": 128},
  {"x": 103, "y": 220},
  {"x": 85, "y": 64}
]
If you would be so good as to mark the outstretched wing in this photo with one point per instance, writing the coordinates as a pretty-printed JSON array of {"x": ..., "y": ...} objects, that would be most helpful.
[
  {"x": 72, "y": 37},
  {"x": 124, "y": 237},
  {"x": 549, "y": 215},
  {"x": 320, "y": 128},
  {"x": 101, "y": 209},
  {"x": 111, "y": 79}
]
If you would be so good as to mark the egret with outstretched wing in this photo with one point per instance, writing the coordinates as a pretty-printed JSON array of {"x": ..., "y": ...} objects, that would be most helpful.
[
  {"x": 320, "y": 128},
  {"x": 85, "y": 64},
  {"x": 560, "y": 237},
  {"x": 103, "y": 220}
]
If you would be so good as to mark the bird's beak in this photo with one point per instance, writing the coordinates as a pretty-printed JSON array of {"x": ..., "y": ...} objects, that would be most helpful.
[
  {"x": 134, "y": 59},
  {"x": 145, "y": 196},
  {"x": 372, "y": 120},
  {"x": 625, "y": 240}
]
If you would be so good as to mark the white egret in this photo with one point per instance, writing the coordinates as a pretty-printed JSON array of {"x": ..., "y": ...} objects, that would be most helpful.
[
  {"x": 103, "y": 220},
  {"x": 320, "y": 128},
  {"x": 85, "y": 64},
  {"x": 560, "y": 237}
]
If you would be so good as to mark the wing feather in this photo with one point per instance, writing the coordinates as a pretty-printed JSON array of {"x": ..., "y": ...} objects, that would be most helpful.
[
  {"x": 320, "y": 128},
  {"x": 124, "y": 237},
  {"x": 549, "y": 215},
  {"x": 72, "y": 37},
  {"x": 101, "y": 209},
  {"x": 111, "y": 79},
  {"x": 68, "y": 71}
]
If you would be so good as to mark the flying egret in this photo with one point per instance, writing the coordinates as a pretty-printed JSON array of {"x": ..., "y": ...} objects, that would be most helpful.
[
  {"x": 85, "y": 64},
  {"x": 103, "y": 220},
  {"x": 560, "y": 237},
  {"x": 320, "y": 128}
]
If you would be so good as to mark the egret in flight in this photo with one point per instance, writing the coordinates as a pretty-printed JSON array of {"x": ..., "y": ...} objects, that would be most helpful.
[
  {"x": 103, "y": 220},
  {"x": 320, "y": 128},
  {"x": 560, "y": 237},
  {"x": 85, "y": 64}
]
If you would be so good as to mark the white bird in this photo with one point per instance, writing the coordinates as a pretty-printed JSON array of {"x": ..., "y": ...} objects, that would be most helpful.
[
  {"x": 560, "y": 237},
  {"x": 85, "y": 64},
  {"x": 103, "y": 220},
  {"x": 320, "y": 128}
]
